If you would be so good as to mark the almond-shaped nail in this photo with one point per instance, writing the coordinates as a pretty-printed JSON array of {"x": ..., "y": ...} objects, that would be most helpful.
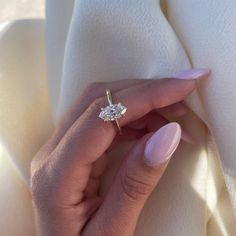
[
  {"x": 195, "y": 73},
  {"x": 162, "y": 144}
]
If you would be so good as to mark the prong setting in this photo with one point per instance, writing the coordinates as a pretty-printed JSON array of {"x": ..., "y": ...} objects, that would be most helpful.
[{"x": 112, "y": 112}]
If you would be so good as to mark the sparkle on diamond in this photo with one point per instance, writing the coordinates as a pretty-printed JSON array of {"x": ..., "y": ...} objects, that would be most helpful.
[{"x": 112, "y": 112}]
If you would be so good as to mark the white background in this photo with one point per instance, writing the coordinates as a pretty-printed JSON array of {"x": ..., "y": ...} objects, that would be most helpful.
[{"x": 14, "y": 9}]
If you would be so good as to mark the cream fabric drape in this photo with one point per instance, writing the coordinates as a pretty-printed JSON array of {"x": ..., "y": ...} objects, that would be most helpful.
[{"x": 104, "y": 40}]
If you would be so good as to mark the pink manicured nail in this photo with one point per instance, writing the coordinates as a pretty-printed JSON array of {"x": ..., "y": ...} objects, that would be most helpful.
[
  {"x": 192, "y": 74},
  {"x": 160, "y": 147}
]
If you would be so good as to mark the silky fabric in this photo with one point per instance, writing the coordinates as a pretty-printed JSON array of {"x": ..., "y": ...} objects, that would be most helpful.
[{"x": 106, "y": 40}]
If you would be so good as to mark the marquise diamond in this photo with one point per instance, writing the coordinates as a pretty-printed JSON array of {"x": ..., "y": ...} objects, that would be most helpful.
[{"x": 112, "y": 112}]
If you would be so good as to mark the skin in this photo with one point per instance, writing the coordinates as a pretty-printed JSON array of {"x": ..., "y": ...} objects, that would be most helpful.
[{"x": 65, "y": 173}]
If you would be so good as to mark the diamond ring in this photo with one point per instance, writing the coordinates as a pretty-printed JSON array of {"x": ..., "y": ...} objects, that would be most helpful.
[{"x": 112, "y": 112}]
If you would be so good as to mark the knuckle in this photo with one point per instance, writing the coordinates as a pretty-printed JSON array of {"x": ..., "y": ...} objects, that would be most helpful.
[
  {"x": 41, "y": 156},
  {"x": 41, "y": 189},
  {"x": 134, "y": 187},
  {"x": 37, "y": 183},
  {"x": 95, "y": 108}
]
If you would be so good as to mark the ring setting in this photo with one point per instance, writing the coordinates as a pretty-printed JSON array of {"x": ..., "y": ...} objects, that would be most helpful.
[{"x": 112, "y": 112}]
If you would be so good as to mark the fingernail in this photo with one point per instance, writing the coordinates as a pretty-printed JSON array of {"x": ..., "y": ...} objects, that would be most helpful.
[
  {"x": 192, "y": 74},
  {"x": 160, "y": 147}
]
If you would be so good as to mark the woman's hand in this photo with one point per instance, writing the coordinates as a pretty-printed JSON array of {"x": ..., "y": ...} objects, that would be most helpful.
[{"x": 66, "y": 171}]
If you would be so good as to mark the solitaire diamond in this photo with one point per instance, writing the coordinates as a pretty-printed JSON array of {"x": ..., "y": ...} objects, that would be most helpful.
[{"x": 112, "y": 112}]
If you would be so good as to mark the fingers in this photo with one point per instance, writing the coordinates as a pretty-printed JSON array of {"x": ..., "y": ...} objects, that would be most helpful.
[
  {"x": 90, "y": 130},
  {"x": 84, "y": 211},
  {"x": 136, "y": 179},
  {"x": 89, "y": 137},
  {"x": 96, "y": 90},
  {"x": 93, "y": 91},
  {"x": 153, "y": 121}
]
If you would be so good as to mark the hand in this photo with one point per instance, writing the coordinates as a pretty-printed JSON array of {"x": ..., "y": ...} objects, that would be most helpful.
[{"x": 65, "y": 173}]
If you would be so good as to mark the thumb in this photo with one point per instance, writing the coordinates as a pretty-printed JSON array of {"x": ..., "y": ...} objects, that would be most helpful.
[{"x": 135, "y": 180}]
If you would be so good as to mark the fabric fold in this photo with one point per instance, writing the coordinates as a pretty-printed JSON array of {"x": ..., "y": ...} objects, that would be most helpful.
[{"x": 106, "y": 40}]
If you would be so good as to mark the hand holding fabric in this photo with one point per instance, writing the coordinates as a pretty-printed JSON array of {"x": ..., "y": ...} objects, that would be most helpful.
[{"x": 66, "y": 171}]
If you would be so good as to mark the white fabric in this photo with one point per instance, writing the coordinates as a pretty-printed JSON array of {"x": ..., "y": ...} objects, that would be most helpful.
[
  {"x": 25, "y": 120},
  {"x": 104, "y": 40}
]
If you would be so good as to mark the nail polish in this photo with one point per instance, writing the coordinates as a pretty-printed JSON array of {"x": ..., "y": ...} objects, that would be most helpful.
[
  {"x": 162, "y": 144},
  {"x": 192, "y": 73}
]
